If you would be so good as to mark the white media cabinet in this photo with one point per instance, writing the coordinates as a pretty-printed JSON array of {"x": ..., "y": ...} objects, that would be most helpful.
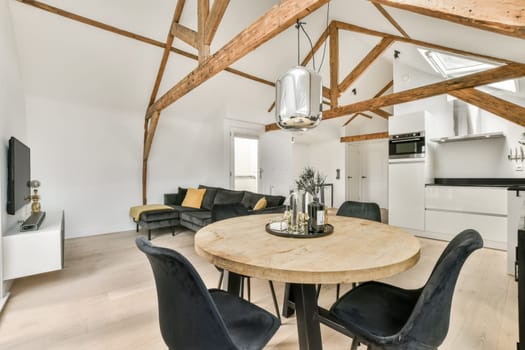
[{"x": 32, "y": 252}]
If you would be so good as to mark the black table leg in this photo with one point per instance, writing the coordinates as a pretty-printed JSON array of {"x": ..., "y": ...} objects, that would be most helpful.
[
  {"x": 234, "y": 283},
  {"x": 288, "y": 307},
  {"x": 307, "y": 314}
]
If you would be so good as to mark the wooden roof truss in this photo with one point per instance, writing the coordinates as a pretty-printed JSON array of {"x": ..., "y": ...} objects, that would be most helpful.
[{"x": 481, "y": 14}]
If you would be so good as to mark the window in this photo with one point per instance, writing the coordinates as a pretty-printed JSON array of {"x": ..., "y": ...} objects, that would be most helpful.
[{"x": 452, "y": 66}]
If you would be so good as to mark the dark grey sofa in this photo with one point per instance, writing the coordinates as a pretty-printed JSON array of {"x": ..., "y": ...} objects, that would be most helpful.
[{"x": 196, "y": 218}]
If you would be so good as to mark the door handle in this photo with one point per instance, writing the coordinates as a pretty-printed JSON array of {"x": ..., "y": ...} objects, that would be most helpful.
[
  {"x": 363, "y": 177},
  {"x": 349, "y": 177}
]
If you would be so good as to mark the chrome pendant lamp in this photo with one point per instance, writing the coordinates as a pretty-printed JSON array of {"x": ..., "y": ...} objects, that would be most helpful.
[{"x": 298, "y": 100}]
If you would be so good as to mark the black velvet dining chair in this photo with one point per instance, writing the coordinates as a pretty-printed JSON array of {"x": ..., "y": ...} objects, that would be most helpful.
[
  {"x": 193, "y": 317},
  {"x": 360, "y": 210},
  {"x": 228, "y": 211},
  {"x": 385, "y": 317}
]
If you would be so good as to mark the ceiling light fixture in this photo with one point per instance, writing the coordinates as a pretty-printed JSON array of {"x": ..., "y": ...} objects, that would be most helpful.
[{"x": 298, "y": 99}]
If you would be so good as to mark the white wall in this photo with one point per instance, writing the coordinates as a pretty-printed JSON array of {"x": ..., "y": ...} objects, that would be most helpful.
[
  {"x": 325, "y": 157},
  {"x": 12, "y": 116},
  {"x": 476, "y": 159},
  {"x": 88, "y": 160}
]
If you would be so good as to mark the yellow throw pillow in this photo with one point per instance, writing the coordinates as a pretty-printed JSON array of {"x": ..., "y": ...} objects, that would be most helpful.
[
  {"x": 261, "y": 204},
  {"x": 193, "y": 198}
]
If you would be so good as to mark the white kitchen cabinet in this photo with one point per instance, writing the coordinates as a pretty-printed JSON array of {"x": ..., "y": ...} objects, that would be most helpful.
[
  {"x": 406, "y": 194},
  {"x": 446, "y": 224},
  {"x": 405, "y": 123},
  {"x": 32, "y": 252},
  {"x": 451, "y": 209}
]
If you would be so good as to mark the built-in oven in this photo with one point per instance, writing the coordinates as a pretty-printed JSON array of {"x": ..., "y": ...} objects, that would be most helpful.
[{"x": 409, "y": 145}]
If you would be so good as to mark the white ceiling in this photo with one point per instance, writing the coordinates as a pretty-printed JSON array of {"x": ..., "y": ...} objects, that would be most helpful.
[{"x": 64, "y": 59}]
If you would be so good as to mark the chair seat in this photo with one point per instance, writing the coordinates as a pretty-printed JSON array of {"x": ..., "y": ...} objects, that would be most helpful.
[
  {"x": 375, "y": 309},
  {"x": 249, "y": 326}
]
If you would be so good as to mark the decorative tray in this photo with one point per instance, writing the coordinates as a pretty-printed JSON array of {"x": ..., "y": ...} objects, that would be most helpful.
[{"x": 275, "y": 229}]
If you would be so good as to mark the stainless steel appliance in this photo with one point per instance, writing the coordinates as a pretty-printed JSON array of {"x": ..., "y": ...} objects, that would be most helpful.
[{"x": 409, "y": 145}]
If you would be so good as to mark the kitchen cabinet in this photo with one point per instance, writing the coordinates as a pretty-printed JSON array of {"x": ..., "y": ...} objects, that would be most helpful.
[
  {"x": 452, "y": 209},
  {"x": 405, "y": 123},
  {"x": 406, "y": 194}
]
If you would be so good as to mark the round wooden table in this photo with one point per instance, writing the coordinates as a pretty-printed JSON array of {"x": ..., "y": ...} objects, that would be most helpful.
[{"x": 358, "y": 250}]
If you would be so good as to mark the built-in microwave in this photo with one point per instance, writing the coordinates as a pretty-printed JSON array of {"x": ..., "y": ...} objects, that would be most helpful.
[{"x": 409, "y": 145}]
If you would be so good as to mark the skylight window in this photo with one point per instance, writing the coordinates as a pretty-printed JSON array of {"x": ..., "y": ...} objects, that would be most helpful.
[{"x": 453, "y": 66}]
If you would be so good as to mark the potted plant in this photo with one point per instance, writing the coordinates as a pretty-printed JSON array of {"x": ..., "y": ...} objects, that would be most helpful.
[{"x": 310, "y": 181}]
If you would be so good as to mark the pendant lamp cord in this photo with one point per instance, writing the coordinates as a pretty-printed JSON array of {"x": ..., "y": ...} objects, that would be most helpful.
[{"x": 300, "y": 26}]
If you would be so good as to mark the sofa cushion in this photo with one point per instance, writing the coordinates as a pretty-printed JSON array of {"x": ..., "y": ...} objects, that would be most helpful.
[
  {"x": 261, "y": 204},
  {"x": 209, "y": 196},
  {"x": 159, "y": 215},
  {"x": 250, "y": 199},
  {"x": 193, "y": 198},
  {"x": 199, "y": 218},
  {"x": 228, "y": 196},
  {"x": 274, "y": 201},
  {"x": 175, "y": 198}
]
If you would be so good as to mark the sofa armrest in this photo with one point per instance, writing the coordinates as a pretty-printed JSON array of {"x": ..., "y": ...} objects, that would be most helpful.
[{"x": 170, "y": 198}]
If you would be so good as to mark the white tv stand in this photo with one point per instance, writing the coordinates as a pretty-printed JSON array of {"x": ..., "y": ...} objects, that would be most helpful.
[{"x": 32, "y": 252}]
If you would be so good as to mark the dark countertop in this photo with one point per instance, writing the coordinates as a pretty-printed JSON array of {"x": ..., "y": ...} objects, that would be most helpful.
[{"x": 515, "y": 183}]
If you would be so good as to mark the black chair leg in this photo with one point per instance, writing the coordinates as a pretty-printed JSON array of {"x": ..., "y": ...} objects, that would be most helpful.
[
  {"x": 355, "y": 344},
  {"x": 338, "y": 290},
  {"x": 220, "y": 279},
  {"x": 274, "y": 297},
  {"x": 149, "y": 235},
  {"x": 249, "y": 289},
  {"x": 173, "y": 231},
  {"x": 318, "y": 291},
  {"x": 137, "y": 228},
  {"x": 242, "y": 287}
]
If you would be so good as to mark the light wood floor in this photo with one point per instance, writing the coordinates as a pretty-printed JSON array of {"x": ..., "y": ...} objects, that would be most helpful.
[{"x": 105, "y": 299}]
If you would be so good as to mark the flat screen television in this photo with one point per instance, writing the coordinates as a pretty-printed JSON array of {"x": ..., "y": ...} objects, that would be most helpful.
[{"x": 18, "y": 175}]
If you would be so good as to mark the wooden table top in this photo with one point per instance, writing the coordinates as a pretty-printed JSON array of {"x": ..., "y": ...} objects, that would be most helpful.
[{"x": 358, "y": 250}]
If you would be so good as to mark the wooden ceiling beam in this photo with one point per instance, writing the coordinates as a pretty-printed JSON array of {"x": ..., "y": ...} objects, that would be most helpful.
[
  {"x": 511, "y": 71},
  {"x": 365, "y": 137},
  {"x": 334, "y": 65},
  {"x": 276, "y": 20},
  {"x": 495, "y": 105},
  {"x": 366, "y": 31},
  {"x": 189, "y": 36},
  {"x": 214, "y": 19},
  {"x": 390, "y": 19},
  {"x": 379, "y": 112},
  {"x": 178, "y": 10},
  {"x": 352, "y": 117},
  {"x": 134, "y": 36},
  {"x": 385, "y": 88},
  {"x": 502, "y": 17},
  {"x": 365, "y": 63},
  {"x": 203, "y": 10}
]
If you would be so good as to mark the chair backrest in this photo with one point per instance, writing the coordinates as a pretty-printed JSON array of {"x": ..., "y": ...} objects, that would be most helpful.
[
  {"x": 428, "y": 324},
  {"x": 188, "y": 316},
  {"x": 227, "y": 211},
  {"x": 361, "y": 210}
]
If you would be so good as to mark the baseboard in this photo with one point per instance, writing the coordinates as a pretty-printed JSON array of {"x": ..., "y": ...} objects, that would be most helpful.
[{"x": 3, "y": 301}]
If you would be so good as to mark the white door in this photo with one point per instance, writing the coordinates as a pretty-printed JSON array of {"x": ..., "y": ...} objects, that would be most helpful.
[
  {"x": 245, "y": 163},
  {"x": 367, "y": 172},
  {"x": 353, "y": 173},
  {"x": 374, "y": 172}
]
